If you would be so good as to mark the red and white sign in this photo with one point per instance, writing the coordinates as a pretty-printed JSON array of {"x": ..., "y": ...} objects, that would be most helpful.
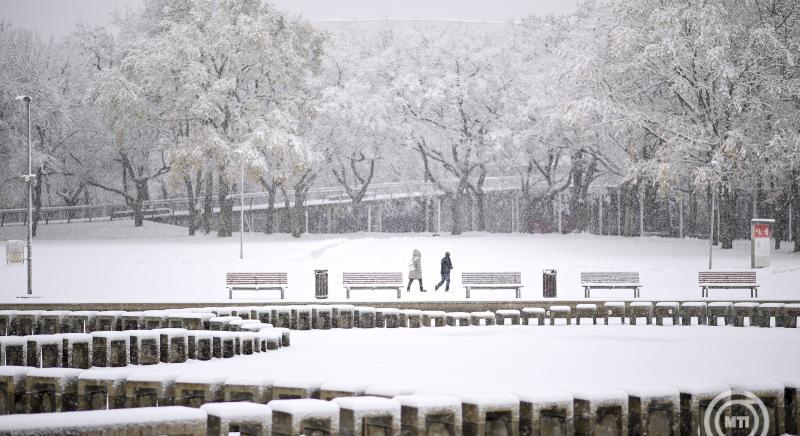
[{"x": 762, "y": 231}]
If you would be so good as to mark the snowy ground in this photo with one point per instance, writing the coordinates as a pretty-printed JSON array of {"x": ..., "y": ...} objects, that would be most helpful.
[
  {"x": 116, "y": 262},
  {"x": 522, "y": 358}
]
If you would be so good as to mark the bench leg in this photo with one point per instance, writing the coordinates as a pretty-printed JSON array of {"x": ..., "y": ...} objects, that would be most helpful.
[
  {"x": 467, "y": 291},
  {"x": 518, "y": 293},
  {"x": 282, "y": 295},
  {"x": 230, "y": 294},
  {"x": 348, "y": 293},
  {"x": 398, "y": 293}
]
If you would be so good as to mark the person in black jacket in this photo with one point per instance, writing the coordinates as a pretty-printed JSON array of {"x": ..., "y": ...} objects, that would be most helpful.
[{"x": 447, "y": 265}]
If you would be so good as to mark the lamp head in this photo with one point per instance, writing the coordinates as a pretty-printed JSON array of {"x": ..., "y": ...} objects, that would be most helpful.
[{"x": 24, "y": 98}]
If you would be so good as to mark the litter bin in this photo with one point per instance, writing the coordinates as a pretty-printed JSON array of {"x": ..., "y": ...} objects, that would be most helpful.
[
  {"x": 15, "y": 252},
  {"x": 321, "y": 283},
  {"x": 549, "y": 283}
]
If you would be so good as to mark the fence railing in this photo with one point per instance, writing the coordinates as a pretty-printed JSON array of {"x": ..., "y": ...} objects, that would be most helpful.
[{"x": 253, "y": 201}]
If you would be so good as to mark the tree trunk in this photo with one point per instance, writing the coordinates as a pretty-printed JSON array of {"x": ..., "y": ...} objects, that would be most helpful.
[
  {"x": 138, "y": 203},
  {"x": 455, "y": 209},
  {"x": 225, "y": 208},
  {"x": 355, "y": 209},
  {"x": 192, "y": 203},
  {"x": 727, "y": 203},
  {"x": 208, "y": 202},
  {"x": 269, "y": 214},
  {"x": 795, "y": 232},
  {"x": 297, "y": 218},
  {"x": 37, "y": 201}
]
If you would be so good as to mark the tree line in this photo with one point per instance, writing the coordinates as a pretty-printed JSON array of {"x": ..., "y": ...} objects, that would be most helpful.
[{"x": 654, "y": 99}]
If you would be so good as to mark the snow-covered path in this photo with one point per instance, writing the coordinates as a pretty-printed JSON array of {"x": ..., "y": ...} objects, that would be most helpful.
[
  {"x": 115, "y": 262},
  {"x": 522, "y": 358}
]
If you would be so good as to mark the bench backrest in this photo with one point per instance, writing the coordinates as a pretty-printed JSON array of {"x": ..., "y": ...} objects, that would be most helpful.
[
  {"x": 265, "y": 278},
  {"x": 727, "y": 277},
  {"x": 491, "y": 278},
  {"x": 610, "y": 277},
  {"x": 372, "y": 278}
]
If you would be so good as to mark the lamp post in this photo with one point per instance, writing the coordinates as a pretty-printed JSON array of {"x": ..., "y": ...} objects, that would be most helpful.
[
  {"x": 29, "y": 178},
  {"x": 241, "y": 204}
]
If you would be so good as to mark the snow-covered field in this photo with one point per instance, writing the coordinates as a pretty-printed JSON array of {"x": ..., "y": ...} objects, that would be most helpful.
[
  {"x": 116, "y": 262},
  {"x": 521, "y": 358}
]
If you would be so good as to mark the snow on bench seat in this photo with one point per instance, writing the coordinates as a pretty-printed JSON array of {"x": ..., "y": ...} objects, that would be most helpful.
[
  {"x": 743, "y": 279},
  {"x": 492, "y": 280},
  {"x": 241, "y": 416},
  {"x": 610, "y": 280},
  {"x": 151, "y": 420},
  {"x": 256, "y": 281},
  {"x": 368, "y": 415},
  {"x": 372, "y": 281}
]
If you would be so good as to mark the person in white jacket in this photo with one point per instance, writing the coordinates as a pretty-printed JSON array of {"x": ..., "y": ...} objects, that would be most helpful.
[{"x": 415, "y": 270}]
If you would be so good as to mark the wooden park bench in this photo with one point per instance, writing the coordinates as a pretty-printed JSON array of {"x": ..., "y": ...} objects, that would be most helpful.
[
  {"x": 492, "y": 280},
  {"x": 610, "y": 280},
  {"x": 243, "y": 281},
  {"x": 372, "y": 280},
  {"x": 727, "y": 280}
]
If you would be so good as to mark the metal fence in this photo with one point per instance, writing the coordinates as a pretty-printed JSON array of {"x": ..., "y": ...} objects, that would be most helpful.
[{"x": 253, "y": 201}]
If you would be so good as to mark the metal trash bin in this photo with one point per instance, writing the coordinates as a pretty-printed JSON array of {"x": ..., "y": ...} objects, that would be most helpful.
[
  {"x": 549, "y": 283},
  {"x": 15, "y": 252},
  {"x": 321, "y": 284}
]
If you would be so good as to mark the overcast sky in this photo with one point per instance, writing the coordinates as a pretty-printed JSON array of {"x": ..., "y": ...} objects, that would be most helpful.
[{"x": 57, "y": 17}]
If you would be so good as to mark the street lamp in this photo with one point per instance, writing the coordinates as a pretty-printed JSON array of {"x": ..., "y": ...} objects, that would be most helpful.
[
  {"x": 240, "y": 152},
  {"x": 29, "y": 178}
]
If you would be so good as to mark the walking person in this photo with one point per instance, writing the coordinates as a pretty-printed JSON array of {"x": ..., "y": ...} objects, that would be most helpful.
[
  {"x": 447, "y": 266},
  {"x": 415, "y": 271}
]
